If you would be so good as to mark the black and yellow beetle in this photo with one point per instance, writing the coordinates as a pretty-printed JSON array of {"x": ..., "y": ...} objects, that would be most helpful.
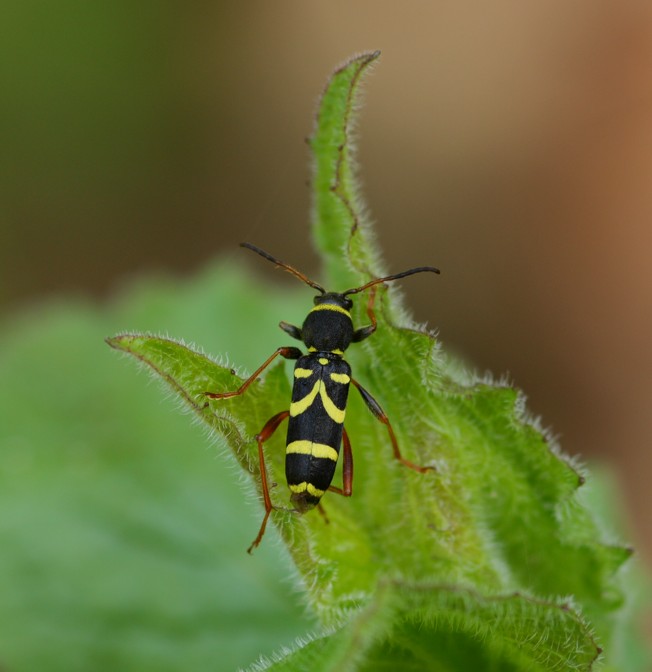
[{"x": 321, "y": 387}]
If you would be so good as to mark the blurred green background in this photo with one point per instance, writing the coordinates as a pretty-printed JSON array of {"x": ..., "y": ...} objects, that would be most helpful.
[{"x": 510, "y": 145}]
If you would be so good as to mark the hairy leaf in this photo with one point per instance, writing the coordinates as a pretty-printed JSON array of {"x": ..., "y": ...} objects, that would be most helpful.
[{"x": 488, "y": 561}]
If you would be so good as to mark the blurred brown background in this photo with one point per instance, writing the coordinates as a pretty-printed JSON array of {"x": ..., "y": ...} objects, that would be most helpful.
[{"x": 508, "y": 143}]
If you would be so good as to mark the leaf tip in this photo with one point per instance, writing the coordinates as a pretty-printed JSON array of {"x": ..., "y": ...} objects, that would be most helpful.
[
  {"x": 113, "y": 342},
  {"x": 363, "y": 58},
  {"x": 120, "y": 341}
]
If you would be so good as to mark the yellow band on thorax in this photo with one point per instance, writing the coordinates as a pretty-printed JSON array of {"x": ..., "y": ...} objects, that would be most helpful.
[{"x": 331, "y": 306}]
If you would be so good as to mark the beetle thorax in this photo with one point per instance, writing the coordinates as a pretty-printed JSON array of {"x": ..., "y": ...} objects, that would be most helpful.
[{"x": 328, "y": 326}]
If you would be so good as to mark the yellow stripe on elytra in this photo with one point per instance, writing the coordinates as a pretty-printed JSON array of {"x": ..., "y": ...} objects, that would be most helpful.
[
  {"x": 341, "y": 378},
  {"x": 335, "y": 413},
  {"x": 309, "y": 487},
  {"x": 298, "y": 407},
  {"x": 331, "y": 306},
  {"x": 303, "y": 373},
  {"x": 304, "y": 447}
]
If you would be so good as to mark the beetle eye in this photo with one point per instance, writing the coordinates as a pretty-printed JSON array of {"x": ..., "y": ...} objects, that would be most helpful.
[{"x": 316, "y": 300}]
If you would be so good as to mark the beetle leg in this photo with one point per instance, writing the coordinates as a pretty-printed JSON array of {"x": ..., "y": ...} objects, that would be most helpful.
[
  {"x": 347, "y": 469},
  {"x": 322, "y": 513},
  {"x": 287, "y": 352},
  {"x": 375, "y": 408},
  {"x": 265, "y": 433},
  {"x": 291, "y": 329},
  {"x": 364, "y": 332}
]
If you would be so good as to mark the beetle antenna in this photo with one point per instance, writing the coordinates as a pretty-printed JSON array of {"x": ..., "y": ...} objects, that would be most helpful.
[
  {"x": 388, "y": 278},
  {"x": 280, "y": 264}
]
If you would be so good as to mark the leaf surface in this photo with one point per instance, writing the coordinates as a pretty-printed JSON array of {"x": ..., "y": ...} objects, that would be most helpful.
[{"x": 488, "y": 561}]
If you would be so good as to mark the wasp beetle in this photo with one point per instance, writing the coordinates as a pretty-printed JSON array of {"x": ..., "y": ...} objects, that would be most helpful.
[{"x": 319, "y": 394}]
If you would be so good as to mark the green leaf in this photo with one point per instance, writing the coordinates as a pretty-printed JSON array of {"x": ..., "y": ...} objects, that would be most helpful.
[
  {"x": 190, "y": 374},
  {"x": 339, "y": 223},
  {"x": 400, "y": 629},
  {"x": 491, "y": 561}
]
